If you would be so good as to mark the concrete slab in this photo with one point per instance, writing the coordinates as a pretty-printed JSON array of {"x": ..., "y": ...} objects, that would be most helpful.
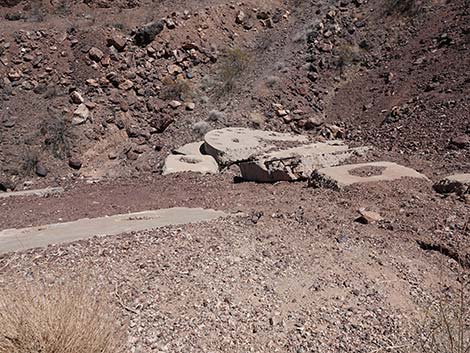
[
  {"x": 233, "y": 145},
  {"x": 296, "y": 163},
  {"x": 189, "y": 158},
  {"x": 193, "y": 148},
  {"x": 38, "y": 192},
  {"x": 34, "y": 237},
  {"x": 190, "y": 163},
  {"x": 454, "y": 184},
  {"x": 345, "y": 175}
]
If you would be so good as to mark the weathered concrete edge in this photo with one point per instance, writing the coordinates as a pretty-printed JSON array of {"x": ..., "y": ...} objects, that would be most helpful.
[
  {"x": 37, "y": 192},
  {"x": 12, "y": 241}
]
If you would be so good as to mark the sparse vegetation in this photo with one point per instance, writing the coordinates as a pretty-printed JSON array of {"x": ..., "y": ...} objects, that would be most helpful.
[
  {"x": 56, "y": 319},
  {"x": 446, "y": 327},
  {"x": 347, "y": 55},
  {"x": 30, "y": 160},
  {"x": 63, "y": 8},
  {"x": 233, "y": 64},
  {"x": 120, "y": 26},
  {"x": 272, "y": 81},
  {"x": 215, "y": 115},
  {"x": 37, "y": 13},
  {"x": 58, "y": 136},
  {"x": 175, "y": 89},
  {"x": 201, "y": 128}
]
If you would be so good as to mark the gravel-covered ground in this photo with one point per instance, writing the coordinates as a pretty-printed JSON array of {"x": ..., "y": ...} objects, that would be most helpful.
[{"x": 295, "y": 274}]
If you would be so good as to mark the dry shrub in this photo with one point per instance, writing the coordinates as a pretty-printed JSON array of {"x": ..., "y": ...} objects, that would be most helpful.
[
  {"x": 446, "y": 327},
  {"x": 58, "y": 136},
  {"x": 30, "y": 160},
  {"x": 175, "y": 89},
  {"x": 347, "y": 55},
  {"x": 232, "y": 66},
  {"x": 56, "y": 319}
]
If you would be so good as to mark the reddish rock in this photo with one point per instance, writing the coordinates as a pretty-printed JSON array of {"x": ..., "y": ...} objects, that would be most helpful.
[{"x": 75, "y": 163}]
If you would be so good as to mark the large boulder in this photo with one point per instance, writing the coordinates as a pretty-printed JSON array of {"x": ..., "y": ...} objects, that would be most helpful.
[{"x": 147, "y": 33}]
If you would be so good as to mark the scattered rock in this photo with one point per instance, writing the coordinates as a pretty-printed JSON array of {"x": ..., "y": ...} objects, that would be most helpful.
[
  {"x": 174, "y": 69},
  {"x": 126, "y": 85},
  {"x": 7, "y": 185},
  {"x": 161, "y": 123},
  {"x": 117, "y": 41},
  {"x": 368, "y": 217},
  {"x": 75, "y": 163},
  {"x": 170, "y": 24},
  {"x": 240, "y": 19},
  {"x": 76, "y": 97},
  {"x": 460, "y": 142},
  {"x": 175, "y": 104},
  {"x": 41, "y": 170},
  {"x": 81, "y": 114},
  {"x": 9, "y": 123},
  {"x": 95, "y": 54},
  {"x": 454, "y": 184},
  {"x": 282, "y": 112}
]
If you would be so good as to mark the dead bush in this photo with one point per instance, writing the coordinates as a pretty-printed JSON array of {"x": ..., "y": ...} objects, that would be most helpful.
[
  {"x": 56, "y": 319},
  {"x": 63, "y": 8},
  {"x": 446, "y": 327},
  {"x": 175, "y": 89},
  {"x": 231, "y": 67},
  {"x": 36, "y": 11},
  {"x": 30, "y": 160},
  {"x": 58, "y": 136},
  {"x": 347, "y": 55}
]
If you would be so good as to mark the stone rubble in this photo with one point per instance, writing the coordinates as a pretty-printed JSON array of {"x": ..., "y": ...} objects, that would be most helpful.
[{"x": 458, "y": 184}]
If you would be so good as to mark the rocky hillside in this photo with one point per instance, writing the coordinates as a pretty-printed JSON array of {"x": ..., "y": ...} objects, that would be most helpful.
[{"x": 102, "y": 88}]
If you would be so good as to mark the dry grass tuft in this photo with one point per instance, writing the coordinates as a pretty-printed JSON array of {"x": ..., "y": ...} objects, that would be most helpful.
[
  {"x": 232, "y": 66},
  {"x": 175, "y": 89},
  {"x": 446, "y": 327},
  {"x": 56, "y": 319}
]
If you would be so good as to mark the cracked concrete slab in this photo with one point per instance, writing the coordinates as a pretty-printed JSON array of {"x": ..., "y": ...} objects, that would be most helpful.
[
  {"x": 234, "y": 145},
  {"x": 193, "y": 148},
  {"x": 42, "y": 236},
  {"x": 37, "y": 192},
  {"x": 345, "y": 175},
  {"x": 189, "y": 158},
  {"x": 187, "y": 163},
  {"x": 296, "y": 163}
]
